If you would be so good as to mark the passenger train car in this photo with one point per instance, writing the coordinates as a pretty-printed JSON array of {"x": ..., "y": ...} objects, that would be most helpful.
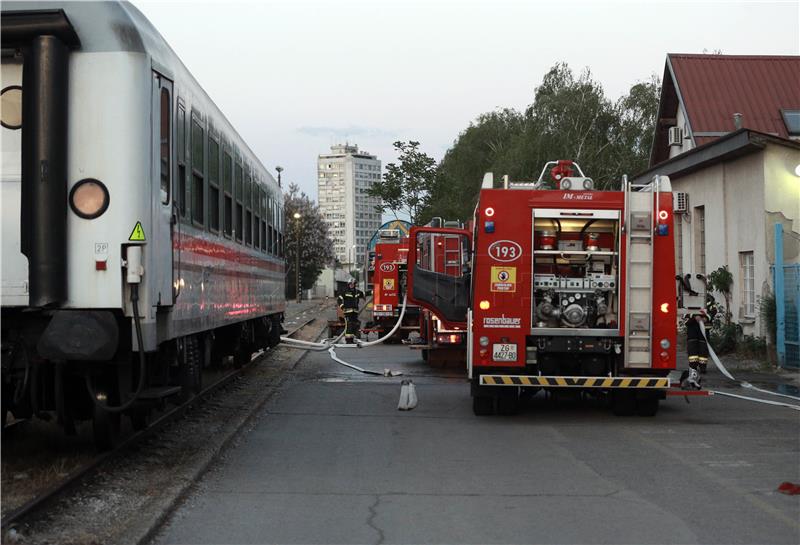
[{"x": 142, "y": 238}]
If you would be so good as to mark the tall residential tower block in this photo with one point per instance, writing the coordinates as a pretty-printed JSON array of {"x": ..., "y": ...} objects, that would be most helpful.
[{"x": 344, "y": 177}]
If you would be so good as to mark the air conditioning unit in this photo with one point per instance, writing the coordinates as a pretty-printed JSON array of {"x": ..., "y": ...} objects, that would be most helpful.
[
  {"x": 680, "y": 202},
  {"x": 675, "y": 136}
]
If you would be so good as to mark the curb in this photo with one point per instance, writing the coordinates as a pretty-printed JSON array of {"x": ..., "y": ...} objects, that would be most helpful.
[{"x": 145, "y": 532}]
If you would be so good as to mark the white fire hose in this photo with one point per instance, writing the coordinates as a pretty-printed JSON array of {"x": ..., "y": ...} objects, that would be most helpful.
[
  {"x": 331, "y": 345},
  {"x": 743, "y": 383}
]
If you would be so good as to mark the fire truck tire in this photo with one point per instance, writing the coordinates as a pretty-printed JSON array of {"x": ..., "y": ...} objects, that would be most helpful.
[
  {"x": 425, "y": 354},
  {"x": 623, "y": 402},
  {"x": 483, "y": 405},
  {"x": 508, "y": 402},
  {"x": 647, "y": 406}
]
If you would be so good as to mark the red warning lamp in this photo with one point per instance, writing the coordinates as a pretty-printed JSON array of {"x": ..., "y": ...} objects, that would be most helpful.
[{"x": 665, "y": 308}]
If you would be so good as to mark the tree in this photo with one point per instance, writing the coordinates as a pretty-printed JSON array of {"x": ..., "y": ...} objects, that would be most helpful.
[
  {"x": 476, "y": 151},
  {"x": 406, "y": 186},
  {"x": 721, "y": 280},
  {"x": 311, "y": 231},
  {"x": 569, "y": 118}
]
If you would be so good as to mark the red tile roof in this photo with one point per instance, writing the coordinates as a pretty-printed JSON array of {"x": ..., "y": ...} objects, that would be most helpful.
[{"x": 714, "y": 87}]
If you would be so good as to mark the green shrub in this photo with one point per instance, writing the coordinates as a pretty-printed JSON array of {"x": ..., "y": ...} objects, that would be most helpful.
[
  {"x": 724, "y": 337},
  {"x": 767, "y": 308},
  {"x": 752, "y": 347}
]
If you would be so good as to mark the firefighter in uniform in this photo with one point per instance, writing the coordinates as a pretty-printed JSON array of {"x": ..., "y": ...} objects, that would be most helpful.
[
  {"x": 348, "y": 302},
  {"x": 697, "y": 348}
]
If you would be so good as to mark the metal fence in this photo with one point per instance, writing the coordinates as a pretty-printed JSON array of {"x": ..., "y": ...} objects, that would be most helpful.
[{"x": 787, "y": 303}]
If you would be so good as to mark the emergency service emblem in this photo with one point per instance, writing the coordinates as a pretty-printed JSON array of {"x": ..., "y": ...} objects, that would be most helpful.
[
  {"x": 388, "y": 283},
  {"x": 504, "y": 279}
]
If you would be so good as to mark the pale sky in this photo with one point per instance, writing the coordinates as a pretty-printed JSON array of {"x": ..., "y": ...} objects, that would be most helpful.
[{"x": 295, "y": 77}]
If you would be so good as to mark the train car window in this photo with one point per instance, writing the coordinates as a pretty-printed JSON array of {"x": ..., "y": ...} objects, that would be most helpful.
[
  {"x": 213, "y": 185},
  {"x": 227, "y": 187},
  {"x": 264, "y": 220},
  {"x": 181, "y": 141},
  {"x": 238, "y": 216},
  {"x": 271, "y": 231},
  {"x": 256, "y": 214},
  {"x": 248, "y": 207},
  {"x": 165, "y": 138},
  {"x": 198, "y": 172}
]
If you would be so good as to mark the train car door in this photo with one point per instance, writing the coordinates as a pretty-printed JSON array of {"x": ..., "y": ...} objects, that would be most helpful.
[
  {"x": 14, "y": 274},
  {"x": 163, "y": 224}
]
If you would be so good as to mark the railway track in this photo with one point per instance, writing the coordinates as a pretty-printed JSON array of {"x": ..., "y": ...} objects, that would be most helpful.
[{"x": 78, "y": 475}]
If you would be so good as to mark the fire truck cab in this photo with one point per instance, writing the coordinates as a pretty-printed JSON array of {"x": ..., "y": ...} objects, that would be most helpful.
[{"x": 566, "y": 287}]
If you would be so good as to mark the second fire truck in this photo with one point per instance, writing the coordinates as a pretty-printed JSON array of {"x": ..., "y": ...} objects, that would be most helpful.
[{"x": 567, "y": 287}]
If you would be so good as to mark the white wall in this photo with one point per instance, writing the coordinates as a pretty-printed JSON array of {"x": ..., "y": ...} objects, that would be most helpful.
[{"x": 733, "y": 196}]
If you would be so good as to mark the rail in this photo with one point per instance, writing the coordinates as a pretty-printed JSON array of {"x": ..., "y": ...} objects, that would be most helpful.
[{"x": 77, "y": 475}]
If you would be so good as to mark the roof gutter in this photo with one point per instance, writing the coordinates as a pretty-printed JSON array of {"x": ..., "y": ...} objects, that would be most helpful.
[{"x": 734, "y": 145}]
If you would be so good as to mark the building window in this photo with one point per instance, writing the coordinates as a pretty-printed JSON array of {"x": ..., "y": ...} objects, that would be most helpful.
[
  {"x": 700, "y": 239},
  {"x": 748, "y": 284},
  {"x": 791, "y": 118}
]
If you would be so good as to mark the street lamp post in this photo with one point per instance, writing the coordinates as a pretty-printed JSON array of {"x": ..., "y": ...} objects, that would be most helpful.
[
  {"x": 279, "y": 169},
  {"x": 297, "y": 217}
]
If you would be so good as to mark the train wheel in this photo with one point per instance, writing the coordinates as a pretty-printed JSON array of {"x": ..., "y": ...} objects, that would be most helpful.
[
  {"x": 105, "y": 426},
  {"x": 624, "y": 403},
  {"x": 190, "y": 369},
  {"x": 508, "y": 402},
  {"x": 483, "y": 405},
  {"x": 647, "y": 406}
]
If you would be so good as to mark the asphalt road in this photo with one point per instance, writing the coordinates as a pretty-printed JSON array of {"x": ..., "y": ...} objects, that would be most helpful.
[{"x": 332, "y": 460}]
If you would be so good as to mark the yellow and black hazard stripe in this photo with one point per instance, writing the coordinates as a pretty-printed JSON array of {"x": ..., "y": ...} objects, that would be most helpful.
[{"x": 574, "y": 382}]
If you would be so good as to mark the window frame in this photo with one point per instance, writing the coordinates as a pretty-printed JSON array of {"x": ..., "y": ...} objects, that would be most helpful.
[
  {"x": 747, "y": 291},
  {"x": 228, "y": 160},
  {"x": 214, "y": 180},
  {"x": 180, "y": 163},
  {"x": 198, "y": 176},
  {"x": 238, "y": 203}
]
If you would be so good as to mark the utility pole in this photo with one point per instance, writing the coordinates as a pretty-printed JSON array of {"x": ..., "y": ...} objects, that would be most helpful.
[{"x": 297, "y": 217}]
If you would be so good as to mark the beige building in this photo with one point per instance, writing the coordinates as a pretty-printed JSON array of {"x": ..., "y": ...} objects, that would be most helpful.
[
  {"x": 737, "y": 175},
  {"x": 344, "y": 177}
]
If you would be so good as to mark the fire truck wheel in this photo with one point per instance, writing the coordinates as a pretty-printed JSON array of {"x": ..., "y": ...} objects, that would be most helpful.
[
  {"x": 647, "y": 406},
  {"x": 508, "y": 402},
  {"x": 623, "y": 403},
  {"x": 424, "y": 354},
  {"x": 483, "y": 405}
]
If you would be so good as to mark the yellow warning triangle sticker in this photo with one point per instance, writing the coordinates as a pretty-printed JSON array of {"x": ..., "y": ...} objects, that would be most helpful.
[{"x": 137, "y": 235}]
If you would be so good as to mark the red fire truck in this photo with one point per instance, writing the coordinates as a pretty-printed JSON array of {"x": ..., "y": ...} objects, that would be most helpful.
[
  {"x": 388, "y": 285},
  {"x": 444, "y": 254},
  {"x": 567, "y": 288}
]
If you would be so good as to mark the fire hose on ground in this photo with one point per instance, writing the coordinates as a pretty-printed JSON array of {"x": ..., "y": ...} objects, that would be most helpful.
[
  {"x": 745, "y": 384},
  {"x": 408, "y": 395}
]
